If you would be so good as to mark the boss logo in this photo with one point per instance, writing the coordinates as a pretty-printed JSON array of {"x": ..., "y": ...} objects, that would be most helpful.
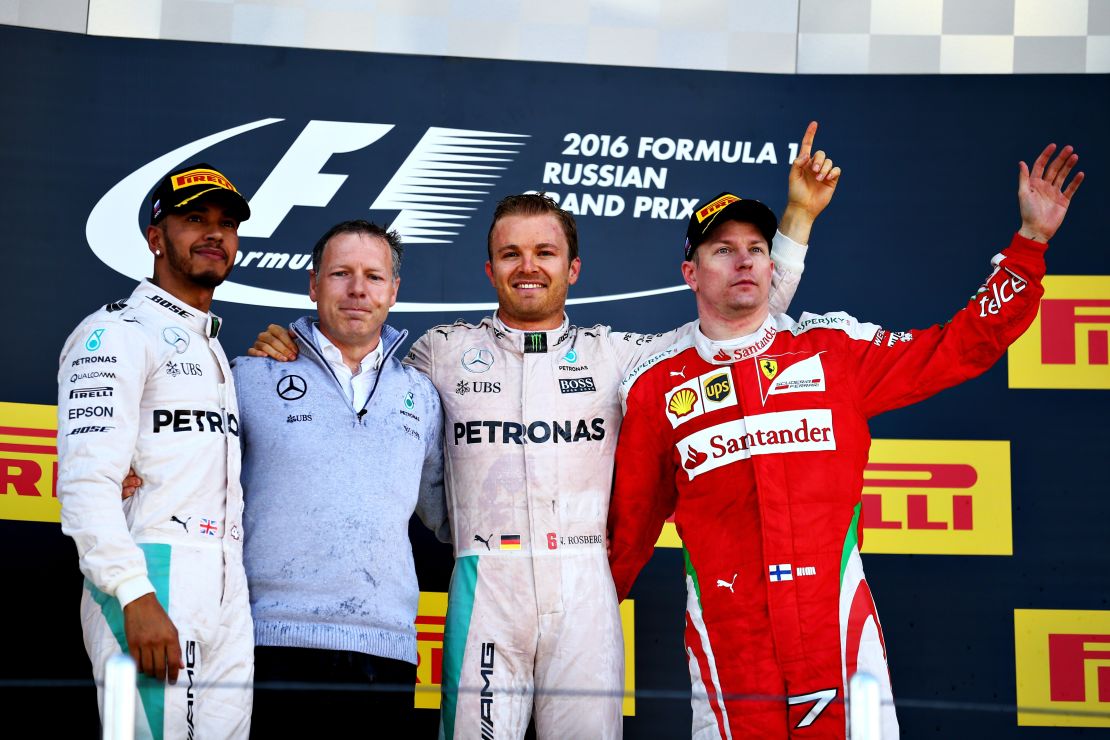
[{"x": 576, "y": 385}]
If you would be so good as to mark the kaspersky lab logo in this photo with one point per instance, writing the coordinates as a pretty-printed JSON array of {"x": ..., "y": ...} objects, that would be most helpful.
[{"x": 445, "y": 178}]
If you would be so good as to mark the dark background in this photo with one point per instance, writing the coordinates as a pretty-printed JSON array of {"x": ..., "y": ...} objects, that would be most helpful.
[{"x": 927, "y": 197}]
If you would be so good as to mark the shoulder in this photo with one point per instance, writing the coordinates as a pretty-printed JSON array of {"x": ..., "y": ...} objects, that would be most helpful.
[
  {"x": 837, "y": 321},
  {"x": 456, "y": 332},
  {"x": 112, "y": 330},
  {"x": 653, "y": 366}
]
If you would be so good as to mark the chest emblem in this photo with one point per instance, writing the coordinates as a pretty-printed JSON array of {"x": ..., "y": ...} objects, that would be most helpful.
[
  {"x": 797, "y": 372},
  {"x": 707, "y": 392}
]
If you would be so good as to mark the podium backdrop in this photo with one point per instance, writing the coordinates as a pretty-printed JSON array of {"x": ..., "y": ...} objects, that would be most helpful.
[{"x": 987, "y": 508}]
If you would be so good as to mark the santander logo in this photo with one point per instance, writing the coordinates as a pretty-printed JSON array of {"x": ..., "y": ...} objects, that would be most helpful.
[{"x": 447, "y": 175}]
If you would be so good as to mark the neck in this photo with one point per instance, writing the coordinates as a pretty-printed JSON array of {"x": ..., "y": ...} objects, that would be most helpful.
[
  {"x": 353, "y": 353},
  {"x": 545, "y": 324},
  {"x": 197, "y": 296},
  {"x": 721, "y": 328}
]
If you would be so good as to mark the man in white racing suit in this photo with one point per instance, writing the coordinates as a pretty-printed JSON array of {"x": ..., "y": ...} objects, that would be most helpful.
[
  {"x": 145, "y": 383},
  {"x": 531, "y": 417}
]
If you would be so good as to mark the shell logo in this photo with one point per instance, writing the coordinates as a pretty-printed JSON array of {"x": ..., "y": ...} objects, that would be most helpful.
[{"x": 682, "y": 403}]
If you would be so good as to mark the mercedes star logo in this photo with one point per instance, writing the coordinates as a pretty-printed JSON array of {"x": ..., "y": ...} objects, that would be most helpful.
[
  {"x": 176, "y": 337},
  {"x": 477, "y": 360},
  {"x": 292, "y": 387}
]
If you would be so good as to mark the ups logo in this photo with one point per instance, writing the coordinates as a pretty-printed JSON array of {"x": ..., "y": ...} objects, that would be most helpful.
[{"x": 717, "y": 388}]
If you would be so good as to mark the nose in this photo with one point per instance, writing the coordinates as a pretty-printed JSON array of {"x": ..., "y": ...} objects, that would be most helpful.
[{"x": 358, "y": 285}]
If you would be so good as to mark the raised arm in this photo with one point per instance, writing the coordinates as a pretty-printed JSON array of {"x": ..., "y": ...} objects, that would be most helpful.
[
  {"x": 810, "y": 186},
  {"x": 1042, "y": 198}
]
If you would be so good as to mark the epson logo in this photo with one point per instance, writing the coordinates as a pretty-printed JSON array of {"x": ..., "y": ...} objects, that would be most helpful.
[
  {"x": 538, "y": 432},
  {"x": 102, "y": 392},
  {"x": 576, "y": 385},
  {"x": 91, "y": 411},
  {"x": 446, "y": 166}
]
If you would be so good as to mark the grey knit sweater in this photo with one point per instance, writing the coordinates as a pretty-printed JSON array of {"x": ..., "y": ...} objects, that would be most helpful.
[{"x": 329, "y": 493}]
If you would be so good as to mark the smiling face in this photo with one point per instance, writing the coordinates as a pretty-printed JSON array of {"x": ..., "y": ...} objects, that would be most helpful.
[
  {"x": 354, "y": 289},
  {"x": 531, "y": 269},
  {"x": 199, "y": 246},
  {"x": 730, "y": 273}
]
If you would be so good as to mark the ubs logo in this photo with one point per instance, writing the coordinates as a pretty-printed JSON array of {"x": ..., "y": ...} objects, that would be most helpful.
[{"x": 292, "y": 387}]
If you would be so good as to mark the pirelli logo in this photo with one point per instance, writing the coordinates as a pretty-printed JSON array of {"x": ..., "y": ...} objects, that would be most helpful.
[
  {"x": 715, "y": 206},
  {"x": 937, "y": 497},
  {"x": 431, "y": 618},
  {"x": 931, "y": 497},
  {"x": 201, "y": 177},
  {"x": 1062, "y": 665},
  {"x": 29, "y": 462},
  {"x": 1068, "y": 344}
]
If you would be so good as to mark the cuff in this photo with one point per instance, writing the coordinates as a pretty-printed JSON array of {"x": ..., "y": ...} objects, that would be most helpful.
[
  {"x": 787, "y": 254},
  {"x": 1021, "y": 241},
  {"x": 133, "y": 588}
]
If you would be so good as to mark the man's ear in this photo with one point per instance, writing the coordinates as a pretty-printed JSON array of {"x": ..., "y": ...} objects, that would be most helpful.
[{"x": 690, "y": 274}]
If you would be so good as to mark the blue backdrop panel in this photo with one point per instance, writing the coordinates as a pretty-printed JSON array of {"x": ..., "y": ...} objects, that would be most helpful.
[{"x": 430, "y": 145}]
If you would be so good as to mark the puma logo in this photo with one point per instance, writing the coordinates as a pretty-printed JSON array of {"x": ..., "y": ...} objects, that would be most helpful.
[
  {"x": 727, "y": 584},
  {"x": 444, "y": 333},
  {"x": 484, "y": 541},
  {"x": 184, "y": 524},
  {"x": 680, "y": 373}
]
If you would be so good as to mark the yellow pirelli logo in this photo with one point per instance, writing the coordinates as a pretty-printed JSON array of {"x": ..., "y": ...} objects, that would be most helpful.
[
  {"x": 29, "y": 462},
  {"x": 937, "y": 497},
  {"x": 930, "y": 497},
  {"x": 715, "y": 206},
  {"x": 201, "y": 177},
  {"x": 1068, "y": 344},
  {"x": 431, "y": 620},
  {"x": 1062, "y": 665}
]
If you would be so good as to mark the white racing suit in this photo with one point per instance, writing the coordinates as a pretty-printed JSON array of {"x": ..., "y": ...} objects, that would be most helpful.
[
  {"x": 531, "y": 423},
  {"x": 145, "y": 383}
]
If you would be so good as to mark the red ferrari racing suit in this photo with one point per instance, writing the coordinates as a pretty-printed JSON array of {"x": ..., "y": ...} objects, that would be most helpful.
[{"x": 758, "y": 447}]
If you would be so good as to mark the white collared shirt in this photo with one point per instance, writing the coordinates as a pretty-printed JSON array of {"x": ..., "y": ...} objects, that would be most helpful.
[{"x": 356, "y": 385}]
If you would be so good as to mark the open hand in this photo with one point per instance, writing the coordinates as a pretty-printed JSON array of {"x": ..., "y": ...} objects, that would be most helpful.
[{"x": 1042, "y": 197}]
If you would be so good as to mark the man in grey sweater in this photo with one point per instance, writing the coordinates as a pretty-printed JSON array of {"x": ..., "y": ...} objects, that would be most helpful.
[{"x": 340, "y": 447}]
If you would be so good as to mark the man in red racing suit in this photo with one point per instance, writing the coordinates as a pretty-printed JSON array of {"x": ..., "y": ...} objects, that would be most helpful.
[{"x": 753, "y": 432}]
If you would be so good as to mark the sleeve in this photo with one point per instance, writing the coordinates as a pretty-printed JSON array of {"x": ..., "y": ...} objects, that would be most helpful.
[
  {"x": 789, "y": 258},
  {"x": 631, "y": 348},
  {"x": 895, "y": 369},
  {"x": 644, "y": 493},
  {"x": 420, "y": 354},
  {"x": 431, "y": 504},
  {"x": 94, "y": 453}
]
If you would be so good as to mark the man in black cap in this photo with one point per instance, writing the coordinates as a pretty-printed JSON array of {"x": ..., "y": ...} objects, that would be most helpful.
[
  {"x": 144, "y": 383},
  {"x": 753, "y": 431}
]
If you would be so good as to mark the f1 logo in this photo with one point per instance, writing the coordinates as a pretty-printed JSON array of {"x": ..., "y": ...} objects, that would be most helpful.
[
  {"x": 1062, "y": 664},
  {"x": 1068, "y": 344}
]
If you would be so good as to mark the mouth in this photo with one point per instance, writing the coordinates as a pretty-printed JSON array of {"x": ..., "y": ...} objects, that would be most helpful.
[
  {"x": 354, "y": 310},
  {"x": 212, "y": 253},
  {"x": 528, "y": 285}
]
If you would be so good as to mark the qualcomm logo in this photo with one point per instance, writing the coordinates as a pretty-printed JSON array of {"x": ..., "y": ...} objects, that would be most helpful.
[{"x": 446, "y": 177}]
